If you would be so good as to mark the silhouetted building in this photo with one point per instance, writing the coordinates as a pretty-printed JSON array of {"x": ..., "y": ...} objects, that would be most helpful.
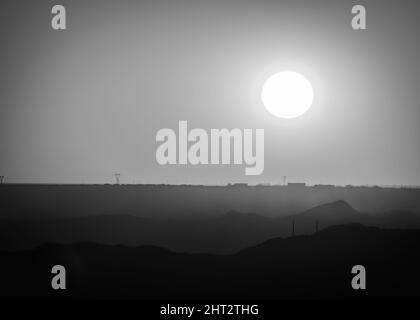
[
  {"x": 296, "y": 184},
  {"x": 238, "y": 185},
  {"x": 327, "y": 186}
]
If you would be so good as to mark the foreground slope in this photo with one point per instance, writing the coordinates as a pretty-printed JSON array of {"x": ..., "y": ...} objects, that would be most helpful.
[{"x": 310, "y": 267}]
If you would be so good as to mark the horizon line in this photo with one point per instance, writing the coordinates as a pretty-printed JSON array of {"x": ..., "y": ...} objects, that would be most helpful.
[{"x": 233, "y": 184}]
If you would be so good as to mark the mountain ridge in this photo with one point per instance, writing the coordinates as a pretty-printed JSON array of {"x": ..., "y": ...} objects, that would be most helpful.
[{"x": 224, "y": 234}]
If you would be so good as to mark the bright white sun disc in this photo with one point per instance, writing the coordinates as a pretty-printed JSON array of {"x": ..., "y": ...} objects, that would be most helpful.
[{"x": 287, "y": 94}]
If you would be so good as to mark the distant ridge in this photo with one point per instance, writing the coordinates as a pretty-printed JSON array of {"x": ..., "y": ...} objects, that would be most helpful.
[
  {"x": 332, "y": 212},
  {"x": 236, "y": 216},
  {"x": 190, "y": 202},
  {"x": 224, "y": 234}
]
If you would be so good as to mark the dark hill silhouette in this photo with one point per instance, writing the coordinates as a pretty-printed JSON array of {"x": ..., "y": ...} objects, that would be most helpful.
[
  {"x": 338, "y": 210},
  {"x": 312, "y": 267},
  {"x": 235, "y": 217},
  {"x": 224, "y": 234}
]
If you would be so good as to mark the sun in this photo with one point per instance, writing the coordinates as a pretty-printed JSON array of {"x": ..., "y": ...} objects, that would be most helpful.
[{"x": 287, "y": 94}]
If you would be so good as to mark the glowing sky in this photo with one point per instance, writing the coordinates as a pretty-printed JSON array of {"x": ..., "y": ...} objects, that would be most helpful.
[{"x": 81, "y": 104}]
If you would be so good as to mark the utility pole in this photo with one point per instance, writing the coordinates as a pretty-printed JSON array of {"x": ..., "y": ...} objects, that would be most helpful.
[
  {"x": 117, "y": 178},
  {"x": 293, "y": 228}
]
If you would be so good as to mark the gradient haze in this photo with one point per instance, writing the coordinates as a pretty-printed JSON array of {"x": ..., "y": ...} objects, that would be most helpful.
[{"x": 80, "y": 104}]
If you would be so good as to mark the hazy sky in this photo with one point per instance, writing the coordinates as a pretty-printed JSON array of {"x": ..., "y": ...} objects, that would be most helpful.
[{"x": 81, "y": 104}]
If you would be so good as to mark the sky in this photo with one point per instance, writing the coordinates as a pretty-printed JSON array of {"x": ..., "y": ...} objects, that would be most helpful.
[{"x": 78, "y": 105}]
